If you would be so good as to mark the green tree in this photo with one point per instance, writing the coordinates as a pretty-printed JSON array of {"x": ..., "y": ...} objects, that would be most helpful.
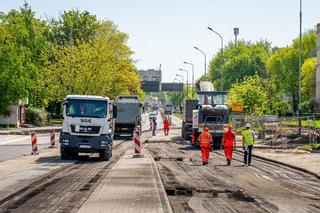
[
  {"x": 22, "y": 57},
  {"x": 74, "y": 27},
  {"x": 308, "y": 86},
  {"x": 251, "y": 93},
  {"x": 102, "y": 66},
  {"x": 237, "y": 62},
  {"x": 283, "y": 66}
]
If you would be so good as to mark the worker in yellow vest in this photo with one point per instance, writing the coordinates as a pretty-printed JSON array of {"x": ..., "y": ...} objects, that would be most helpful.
[{"x": 247, "y": 144}]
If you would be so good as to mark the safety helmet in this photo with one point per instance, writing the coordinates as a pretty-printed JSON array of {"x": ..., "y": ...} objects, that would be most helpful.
[
  {"x": 206, "y": 129},
  {"x": 248, "y": 125}
]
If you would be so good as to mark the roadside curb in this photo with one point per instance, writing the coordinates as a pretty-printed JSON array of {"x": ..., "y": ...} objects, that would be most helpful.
[
  {"x": 29, "y": 131},
  {"x": 312, "y": 151},
  {"x": 285, "y": 164}
]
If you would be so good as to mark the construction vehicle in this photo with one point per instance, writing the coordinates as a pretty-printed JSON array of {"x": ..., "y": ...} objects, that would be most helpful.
[
  {"x": 129, "y": 115},
  {"x": 186, "y": 129},
  {"x": 87, "y": 126},
  {"x": 168, "y": 108},
  {"x": 211, "y": 112}
]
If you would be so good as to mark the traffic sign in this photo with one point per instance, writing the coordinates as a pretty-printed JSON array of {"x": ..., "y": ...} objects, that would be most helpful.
[
  {"x": 237, "y": 107},
  {"x": 172, "y": 87}
]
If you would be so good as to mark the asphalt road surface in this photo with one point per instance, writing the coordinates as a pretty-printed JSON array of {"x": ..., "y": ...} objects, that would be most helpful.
[
  {"x": 12, "y": 146},
  {"x": 190, "y": 186},
  {"x": 262, "y": 187}
]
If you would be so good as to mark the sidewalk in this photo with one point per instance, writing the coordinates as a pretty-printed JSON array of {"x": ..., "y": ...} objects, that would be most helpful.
[
  {"x": 27, "y": 131},
  {"x": 296, "y": 158},
  {"x": 132, "y": 185}
]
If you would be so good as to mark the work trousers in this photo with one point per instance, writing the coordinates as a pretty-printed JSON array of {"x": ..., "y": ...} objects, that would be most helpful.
[
  {"x": 228, "y": 152},
  {"x": 205, "y": 155},
  {"x": 247, "y": 155},
  {"x": 166, "y": 131},
  {"x": 154, "y": 131}
]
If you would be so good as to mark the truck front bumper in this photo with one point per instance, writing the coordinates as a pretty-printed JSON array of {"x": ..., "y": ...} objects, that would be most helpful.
[{"x": 85, "y": 144}]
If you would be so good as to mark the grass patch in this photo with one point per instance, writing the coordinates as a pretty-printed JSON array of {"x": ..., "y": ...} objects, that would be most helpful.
[
  {"x": 56, "y": 121},
  {"x": 312, "y": 147},
  {"x": 304, "y": 123},
  {"x": 178, "y": 115}
]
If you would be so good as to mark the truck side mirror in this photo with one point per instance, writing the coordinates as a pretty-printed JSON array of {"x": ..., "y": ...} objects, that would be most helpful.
[{"x": 114, "y": 111}]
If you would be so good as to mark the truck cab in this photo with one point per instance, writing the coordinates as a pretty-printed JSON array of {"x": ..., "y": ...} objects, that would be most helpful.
[{"x": 87, "y": 126}]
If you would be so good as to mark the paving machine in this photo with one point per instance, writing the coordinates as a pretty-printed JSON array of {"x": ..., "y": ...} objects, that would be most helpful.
[{"x": 211, "y": 112}]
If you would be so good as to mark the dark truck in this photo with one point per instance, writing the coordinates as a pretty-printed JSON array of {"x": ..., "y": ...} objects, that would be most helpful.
[
  {"x": 129, "y": 110},
  {"x": 187, "y": 118}
]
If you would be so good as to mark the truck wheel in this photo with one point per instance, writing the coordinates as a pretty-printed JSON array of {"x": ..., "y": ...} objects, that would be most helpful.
[
  {"x": 64, "y": 155},
  {"x": 105, "y": 155},
  {"x": 75, "y": 155}
]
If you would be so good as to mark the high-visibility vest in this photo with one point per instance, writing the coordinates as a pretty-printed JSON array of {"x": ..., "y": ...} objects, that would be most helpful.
[
  {"x": 248, "y": 137},
  {"x": 229, "y": 138},
  {"x": 205, "y": 139}
]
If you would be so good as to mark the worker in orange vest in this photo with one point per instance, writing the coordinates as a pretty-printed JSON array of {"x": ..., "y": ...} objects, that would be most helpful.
[
  {"x": 205, "y": 140},
  {"x": 229, "y": 144},
  {"x": 166, "y": 126}
]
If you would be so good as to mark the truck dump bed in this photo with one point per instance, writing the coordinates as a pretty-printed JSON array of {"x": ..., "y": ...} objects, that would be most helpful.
[
  {"x": 129, "y": 110},
  {"x": 128, "y": 113}
]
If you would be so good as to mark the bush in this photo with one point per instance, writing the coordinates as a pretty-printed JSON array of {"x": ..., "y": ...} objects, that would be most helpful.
[{"x": 36, "y": 116}]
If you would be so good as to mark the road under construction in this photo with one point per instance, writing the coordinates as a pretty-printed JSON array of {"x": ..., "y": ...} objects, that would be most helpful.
[{"x": 168, "y": 177}]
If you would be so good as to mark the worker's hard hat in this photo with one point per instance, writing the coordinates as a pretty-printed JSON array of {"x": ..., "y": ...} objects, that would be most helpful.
[
  {"x": 206, "y": 129},
  {"x": 248, "y": 125}
]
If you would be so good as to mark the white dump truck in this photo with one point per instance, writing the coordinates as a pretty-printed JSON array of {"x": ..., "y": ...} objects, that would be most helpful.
[{"x": 87, "y": 126}]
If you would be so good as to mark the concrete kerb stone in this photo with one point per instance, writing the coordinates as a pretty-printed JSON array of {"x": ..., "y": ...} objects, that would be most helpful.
[
  {"x": 161, "y": 185},
  {"x": 28, "y": 131},
  {"x": 284, "y": 164}
]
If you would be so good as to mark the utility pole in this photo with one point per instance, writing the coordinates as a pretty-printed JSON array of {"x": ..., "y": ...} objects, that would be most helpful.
[
  {"x": 70, "y": 56},
  {"x": 300, "y": 64},
  {"x": 221, "y": 39},
  {"x": 187, "y": 81},
  {"x": 192, "y": 84},
  {"x": 205, "y": 60}
]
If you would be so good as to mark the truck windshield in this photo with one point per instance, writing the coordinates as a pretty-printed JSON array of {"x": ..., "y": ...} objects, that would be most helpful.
[
  {"x": 213, "y": 99},
  {"x": 87, "y": 108}
]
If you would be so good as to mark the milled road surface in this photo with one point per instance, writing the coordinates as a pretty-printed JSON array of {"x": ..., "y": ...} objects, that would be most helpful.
[
  {"x": 190, "y": 186},
  {"x": 66, "y": 189},
  {"x": 263, "y": 187}
]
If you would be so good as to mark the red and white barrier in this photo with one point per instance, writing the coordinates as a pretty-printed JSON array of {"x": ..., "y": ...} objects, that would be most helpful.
[
  {"x": 52, "y": 138},
  {"x": 34, "y": 144},
  {"x": 137, "y": 142}
]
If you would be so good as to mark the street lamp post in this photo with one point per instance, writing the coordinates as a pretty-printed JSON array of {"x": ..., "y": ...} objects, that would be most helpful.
[
  {"x": 192, "y": 89},
  {"x": 300, "y": 64},
  {"x": 182, "y": 92},
  {"x": 182, "y": 89},
  {"x": 187, "y": 80},
  {"x": 221, "y": 73},
  {"x": 205, "y": 60},
  {"x": 236, "y": 33}
]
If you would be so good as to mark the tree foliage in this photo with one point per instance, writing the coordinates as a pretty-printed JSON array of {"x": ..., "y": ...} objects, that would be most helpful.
[
  {"x": 283, "y": 66},
  {"x": 251, "y": 93},
  {"x": 308, "y": 72},
  {"x": 76, "y": 54},
  {"x": 22, "y": 57},
  {"x": 237, "y": 62},
  {"x": 277, "y": 69}
]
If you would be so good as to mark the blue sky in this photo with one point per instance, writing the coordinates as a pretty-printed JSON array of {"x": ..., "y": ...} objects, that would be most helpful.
[{"x": 165, "y": 31}]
